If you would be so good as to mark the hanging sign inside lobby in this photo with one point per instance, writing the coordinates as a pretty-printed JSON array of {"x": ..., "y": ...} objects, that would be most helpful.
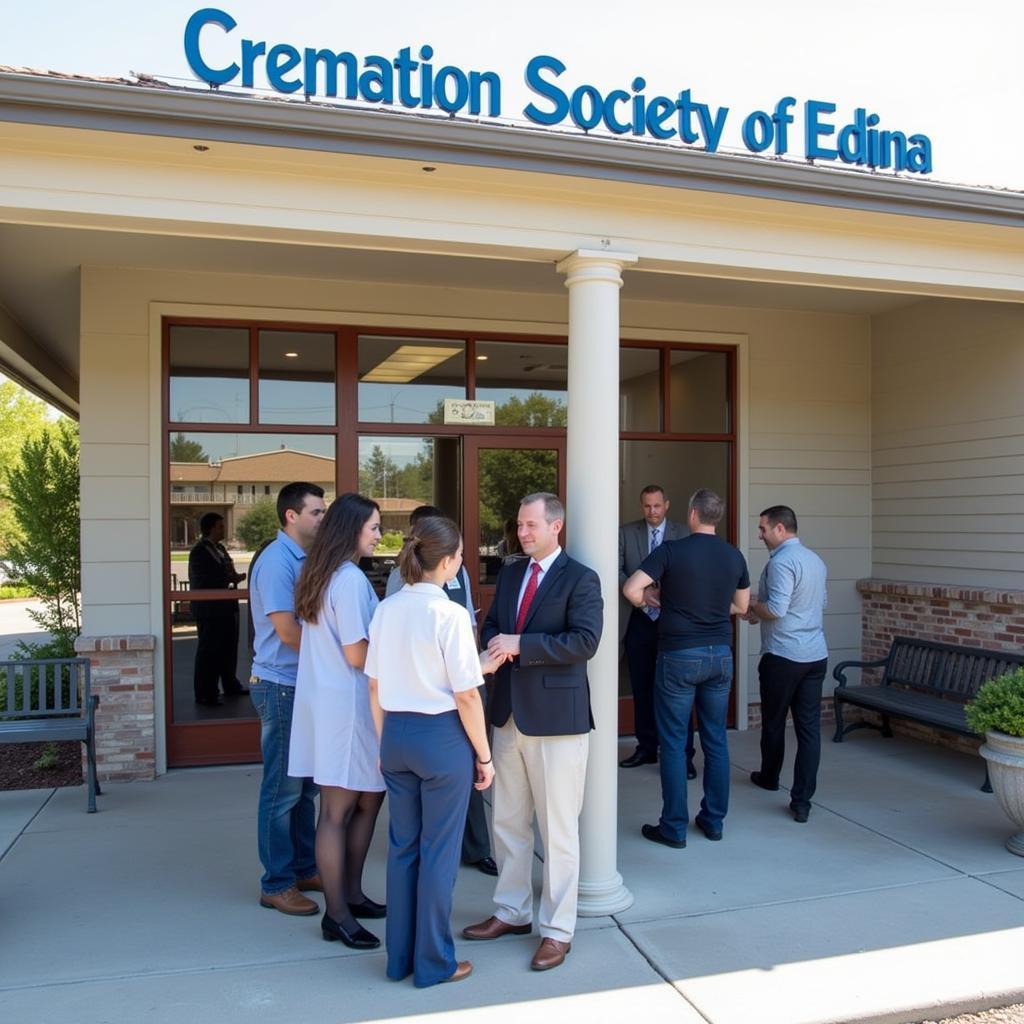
[
  {"x": 412, "y": 80},
  {"x": 476, "y": 414}
]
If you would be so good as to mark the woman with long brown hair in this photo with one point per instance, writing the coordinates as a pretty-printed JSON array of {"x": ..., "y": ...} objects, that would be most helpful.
[
  {"x": 424, "y": 674},
  {"x": 333, "y": 737}
]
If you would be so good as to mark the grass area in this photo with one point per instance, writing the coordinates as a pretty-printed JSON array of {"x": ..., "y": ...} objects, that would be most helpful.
[{"x": 9, "y": 591}]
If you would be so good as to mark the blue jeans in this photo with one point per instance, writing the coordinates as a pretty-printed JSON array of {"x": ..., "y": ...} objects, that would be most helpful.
[
  {"x": 701, "y": 676},
  {"x": 287, "y": 814}
]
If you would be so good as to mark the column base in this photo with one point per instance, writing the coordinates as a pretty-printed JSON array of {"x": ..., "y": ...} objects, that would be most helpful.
[{"x": 604, "y": 897}]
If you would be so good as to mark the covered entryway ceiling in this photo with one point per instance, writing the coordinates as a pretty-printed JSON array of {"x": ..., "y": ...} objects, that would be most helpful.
[{"x": 40, "y": 289}]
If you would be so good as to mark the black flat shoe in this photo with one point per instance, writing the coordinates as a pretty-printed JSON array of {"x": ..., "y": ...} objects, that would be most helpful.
[
  {"x": 368, "y": 909},
  {"x": 637, "y": 758},
  {"x": 710, "y": 833},
  {"x": 655, "y": 835},
  {"x": 360, "y": 938},
  {"x": 759, "y": 780}
]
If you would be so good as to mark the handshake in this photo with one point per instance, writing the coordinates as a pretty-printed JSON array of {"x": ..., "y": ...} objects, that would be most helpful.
[{"x": 500, "y": 649}]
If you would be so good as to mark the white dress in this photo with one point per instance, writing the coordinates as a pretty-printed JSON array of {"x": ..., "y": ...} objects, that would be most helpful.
[{"x": 333, "y": 738}]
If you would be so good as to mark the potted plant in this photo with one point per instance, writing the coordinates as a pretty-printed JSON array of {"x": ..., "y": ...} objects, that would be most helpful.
[{"x": 998, "y": 712}]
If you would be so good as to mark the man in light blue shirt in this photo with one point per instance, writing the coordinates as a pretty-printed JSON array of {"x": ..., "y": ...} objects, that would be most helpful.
[
  {"x": 287, "y": 815},
  {"x": 790, "y": 603}
]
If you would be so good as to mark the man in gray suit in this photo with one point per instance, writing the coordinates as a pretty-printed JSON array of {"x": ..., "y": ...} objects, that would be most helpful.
[{"x": 638, "y": 627}]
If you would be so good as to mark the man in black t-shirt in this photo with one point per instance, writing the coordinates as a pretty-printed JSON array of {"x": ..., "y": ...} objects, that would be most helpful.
[{"x": 703, "y": 583}]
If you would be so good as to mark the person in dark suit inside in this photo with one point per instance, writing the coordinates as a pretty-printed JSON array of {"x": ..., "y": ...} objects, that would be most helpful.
[
  {"x": 210, "y": 568},
  {"x": 546, "y": 619},
  {"x": 638, "y": 627}
]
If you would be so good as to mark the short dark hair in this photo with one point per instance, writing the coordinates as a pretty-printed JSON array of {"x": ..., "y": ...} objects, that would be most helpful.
[
  {"x": 424, "y": 512},
  {"x": 709, "y": 506},
  {"x": 653, "y": 489},
  {"x": 776, "y": 514},
  {"x": 208, "y": 522},
  {"x": 293, "y": 496}
]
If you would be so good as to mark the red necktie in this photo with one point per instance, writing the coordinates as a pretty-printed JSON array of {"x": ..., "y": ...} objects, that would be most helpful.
[{"x": 531, "y": 589}]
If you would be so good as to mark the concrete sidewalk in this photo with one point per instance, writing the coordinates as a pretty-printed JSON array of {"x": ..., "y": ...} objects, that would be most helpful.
[{"x": 896, "y": 902}]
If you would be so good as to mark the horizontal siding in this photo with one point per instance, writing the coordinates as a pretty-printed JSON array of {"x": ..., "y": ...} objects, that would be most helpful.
[{"x": 948, "y": 444}]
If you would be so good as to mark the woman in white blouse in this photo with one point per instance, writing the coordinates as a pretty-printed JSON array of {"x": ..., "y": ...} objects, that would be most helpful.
[
  {"x": 424, "y": 673},
  {"x": 333, "y": 739}
]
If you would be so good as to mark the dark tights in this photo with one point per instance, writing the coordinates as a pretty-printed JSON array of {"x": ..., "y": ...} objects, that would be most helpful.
[{"x": 343, "y": 833}]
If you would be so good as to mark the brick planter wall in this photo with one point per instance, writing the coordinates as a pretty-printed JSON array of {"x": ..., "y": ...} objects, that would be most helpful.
[
  {"x": 122, "y": 676},
  {"x": 970, "y": 616}
]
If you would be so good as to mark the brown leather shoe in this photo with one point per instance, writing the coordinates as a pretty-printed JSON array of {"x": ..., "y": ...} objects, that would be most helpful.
[
  {"x": 550, "y": 953},
  {"x": 311, "y": 884},
  {"x": 291, "y": 901},
  {"x": 463, "y": 970},
  {"x": 494, "y": 928}
]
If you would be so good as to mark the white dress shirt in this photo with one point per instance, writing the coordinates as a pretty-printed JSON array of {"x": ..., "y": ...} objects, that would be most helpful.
[
  {"x": 545, "y": 564},
  {"x": 422, "y": 651}
]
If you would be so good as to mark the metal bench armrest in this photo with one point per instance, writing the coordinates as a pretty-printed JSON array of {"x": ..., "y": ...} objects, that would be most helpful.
[{"x": 839, "y": 672}]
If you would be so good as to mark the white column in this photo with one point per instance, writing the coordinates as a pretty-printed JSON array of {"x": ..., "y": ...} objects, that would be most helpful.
[{"x": 594, "y": 278}]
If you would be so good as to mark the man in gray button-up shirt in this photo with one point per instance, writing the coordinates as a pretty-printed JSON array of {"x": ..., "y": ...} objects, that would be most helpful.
[{"x": 791, "y": 600}]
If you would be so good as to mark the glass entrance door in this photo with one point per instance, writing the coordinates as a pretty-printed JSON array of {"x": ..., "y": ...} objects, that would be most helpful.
[{"x": 499, "y": 471}]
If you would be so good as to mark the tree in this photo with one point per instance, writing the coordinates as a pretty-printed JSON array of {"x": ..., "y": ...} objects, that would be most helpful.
[
  {"x": 259, "y": 524},
  {"x": 377, "y": 474},
  {"x": 185, "y": 450},
  {"x": 23, "y": 417},
  {"x": 43, "y": 493}
]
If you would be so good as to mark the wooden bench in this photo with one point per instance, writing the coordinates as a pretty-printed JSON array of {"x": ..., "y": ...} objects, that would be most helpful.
[
  {"x": 922, "y": 681},
  {"x": 49, "y": 700}
]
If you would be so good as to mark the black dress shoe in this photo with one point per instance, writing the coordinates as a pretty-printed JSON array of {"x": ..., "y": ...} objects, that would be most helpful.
[
  {"x": 655, "y": 835},
  {"x": 638, "y": 757},
  {"x": 210, "y": 702},
  {"x": 800, "y": 814},
  {"x": 709, "y": 833},
  {"x": 369, "y": 909},
  {"x": 359, "y": 938},
  {"x": 691, "y": 772},
  {"x": 487, "y": 866},
  {"x": 758, "y": 780}
]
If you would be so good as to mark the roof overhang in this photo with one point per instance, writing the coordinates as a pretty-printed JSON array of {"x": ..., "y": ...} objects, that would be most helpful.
[{"x": 206, "y": 116}]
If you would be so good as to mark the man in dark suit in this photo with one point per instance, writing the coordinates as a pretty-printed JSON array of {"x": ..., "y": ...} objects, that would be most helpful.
[
  {"x": 546, "y": 621},
  {"x": 210, "y": 568},
  {"x": 638, "y": 627}
]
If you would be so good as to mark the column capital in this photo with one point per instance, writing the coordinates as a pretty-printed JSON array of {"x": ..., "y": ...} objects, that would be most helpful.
[{"x": 595, "y": 265}]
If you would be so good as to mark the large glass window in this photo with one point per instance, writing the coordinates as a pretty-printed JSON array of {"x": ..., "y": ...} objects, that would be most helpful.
[
  {"x": 209, "y": 369},
  {"x": 401, "y": 473},
  {"x": 699, "y": 392},
  {"x": 529, "y": 384},
  {"x": 640, "y": 389},
  {"x": 297, "y": 383},
  {"x": 406, "y": 380}
]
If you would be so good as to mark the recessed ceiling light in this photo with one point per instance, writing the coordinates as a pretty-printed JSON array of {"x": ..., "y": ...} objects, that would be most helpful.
[
  {"x": 482, "y": 359},
  {"x": 291, "y": 355}
]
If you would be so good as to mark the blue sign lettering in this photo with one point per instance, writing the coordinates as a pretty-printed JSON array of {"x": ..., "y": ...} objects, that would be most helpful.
[{"x": 412, "y": 82}]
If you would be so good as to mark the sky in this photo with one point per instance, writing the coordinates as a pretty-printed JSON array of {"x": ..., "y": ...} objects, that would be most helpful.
[{"x": 952, "y": 71}]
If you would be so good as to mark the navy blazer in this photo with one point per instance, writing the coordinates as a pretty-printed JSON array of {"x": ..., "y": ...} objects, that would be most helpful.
[{"x": 546, "y": 687}]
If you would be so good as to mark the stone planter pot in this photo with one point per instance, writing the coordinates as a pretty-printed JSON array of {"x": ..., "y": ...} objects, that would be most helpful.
[{"x": 1005, "y": 757}]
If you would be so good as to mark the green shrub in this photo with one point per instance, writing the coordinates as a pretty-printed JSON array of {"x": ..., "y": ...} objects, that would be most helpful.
[
  {"x": 999, "y": 705},
  {"x": 392, "y": 541},
  {"x": 11, "y": 591},
  {"x": 49, "y": 760},
  {"x": 258, "y": 525}
]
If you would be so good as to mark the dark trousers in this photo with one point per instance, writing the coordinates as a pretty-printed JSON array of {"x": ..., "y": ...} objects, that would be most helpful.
[
  {"x": 476, "y": 840},
  {"x": 641, "y": 644},
  {"x": 791, "y": 686},
  {"x": 427, "y": 762},
  {"x": 216, "y": 649}
]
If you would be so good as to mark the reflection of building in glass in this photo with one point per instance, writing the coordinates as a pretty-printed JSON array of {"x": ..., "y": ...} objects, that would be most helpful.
[{"x": 235, "y": 486}]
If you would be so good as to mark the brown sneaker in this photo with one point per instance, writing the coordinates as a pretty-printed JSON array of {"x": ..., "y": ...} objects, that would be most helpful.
[
  {"x": 291, "y": 901},
  {"x": 550, "y": 953},
  {"x": 311, "y": 884}
]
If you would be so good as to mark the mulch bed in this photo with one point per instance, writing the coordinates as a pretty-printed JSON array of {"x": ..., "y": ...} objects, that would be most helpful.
[{"x": 18, "y": 766}]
